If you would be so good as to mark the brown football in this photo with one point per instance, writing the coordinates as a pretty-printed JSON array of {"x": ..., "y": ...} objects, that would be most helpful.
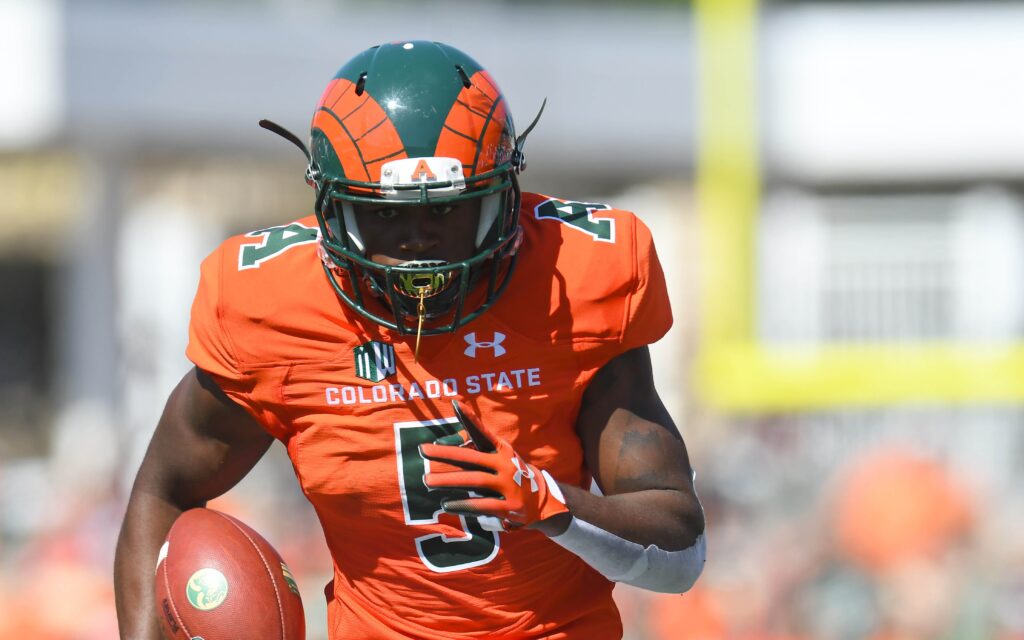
[{"x": 217, "y": 579}]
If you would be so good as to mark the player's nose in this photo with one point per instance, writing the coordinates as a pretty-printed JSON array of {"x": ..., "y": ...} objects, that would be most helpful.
[
  {"x": 422, "y": 234},
  {"x": 418, "y": 244}
]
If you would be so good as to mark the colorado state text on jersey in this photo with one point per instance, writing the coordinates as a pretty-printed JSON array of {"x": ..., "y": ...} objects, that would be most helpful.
[{"x": 499, "y": 382}]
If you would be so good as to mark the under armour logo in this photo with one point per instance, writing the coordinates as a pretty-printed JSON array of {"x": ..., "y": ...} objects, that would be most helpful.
[
  {"x": 492, "y": 344},
  {"x": 524, "y": 471}
]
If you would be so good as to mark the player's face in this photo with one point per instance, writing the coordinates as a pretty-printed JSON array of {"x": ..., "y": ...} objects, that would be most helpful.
[{"x": 393, "y": 235}]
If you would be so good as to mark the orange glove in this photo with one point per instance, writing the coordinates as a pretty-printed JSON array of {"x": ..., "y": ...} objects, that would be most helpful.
[{"x": 521, "y": 494}]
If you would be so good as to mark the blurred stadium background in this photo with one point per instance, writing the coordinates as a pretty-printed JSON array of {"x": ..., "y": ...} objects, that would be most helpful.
[{"x": 837, "y": 195}]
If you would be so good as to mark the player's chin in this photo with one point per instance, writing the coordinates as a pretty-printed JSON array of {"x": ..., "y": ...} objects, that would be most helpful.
[{"x": 411, "y": 260}]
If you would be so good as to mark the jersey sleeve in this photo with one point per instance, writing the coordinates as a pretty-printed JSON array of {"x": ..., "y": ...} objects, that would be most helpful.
[
  {"x": 211, "y": 349},
  {"x": 648, "y": 311}
]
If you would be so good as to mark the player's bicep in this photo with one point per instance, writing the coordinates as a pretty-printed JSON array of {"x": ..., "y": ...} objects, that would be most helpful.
[
  {"x": 203, "y": 445},
  {"x": 629, "y": 440}
]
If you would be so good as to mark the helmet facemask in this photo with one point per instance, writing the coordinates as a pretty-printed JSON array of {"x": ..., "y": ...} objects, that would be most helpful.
[{"x": 434, "y": 290}]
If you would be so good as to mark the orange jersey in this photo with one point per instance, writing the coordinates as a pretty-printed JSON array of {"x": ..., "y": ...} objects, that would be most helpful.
[{"x": 351, "y": 405}]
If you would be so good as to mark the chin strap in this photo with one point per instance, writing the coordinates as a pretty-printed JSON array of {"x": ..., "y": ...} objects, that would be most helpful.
[{"x": 421, "y": 311}]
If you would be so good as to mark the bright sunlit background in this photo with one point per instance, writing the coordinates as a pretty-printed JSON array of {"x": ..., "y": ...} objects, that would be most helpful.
[{"x": 837, "y": 195}]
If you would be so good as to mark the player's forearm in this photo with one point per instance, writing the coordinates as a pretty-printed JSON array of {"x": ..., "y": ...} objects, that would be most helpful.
[
  {"x": 663, "y": 517},
  {"x": 652, "y": 539},
  {"x": 146, "y": 523}
]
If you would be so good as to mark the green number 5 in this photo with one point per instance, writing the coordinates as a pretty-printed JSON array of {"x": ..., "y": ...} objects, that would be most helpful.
[{"x": 439, "y": 552}]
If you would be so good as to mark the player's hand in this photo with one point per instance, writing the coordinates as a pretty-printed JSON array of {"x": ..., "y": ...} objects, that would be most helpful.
[{"x": 519, "y": 493}]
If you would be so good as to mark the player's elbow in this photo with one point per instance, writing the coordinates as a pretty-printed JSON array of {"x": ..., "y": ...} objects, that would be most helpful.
[
  {"x": 672, "y": 571},
  {"x": 690, "y": 527}
]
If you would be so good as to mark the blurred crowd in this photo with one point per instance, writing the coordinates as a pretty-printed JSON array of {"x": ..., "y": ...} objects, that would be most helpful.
[{"x": 888, "y": 541}]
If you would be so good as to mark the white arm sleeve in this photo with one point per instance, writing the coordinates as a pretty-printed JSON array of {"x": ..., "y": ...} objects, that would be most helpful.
[{"x": 620, "y": 560}]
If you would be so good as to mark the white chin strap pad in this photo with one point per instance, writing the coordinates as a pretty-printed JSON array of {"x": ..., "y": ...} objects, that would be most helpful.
[
  {"x": 490, "y": 209},
  {"x": 351, "y": 227}
]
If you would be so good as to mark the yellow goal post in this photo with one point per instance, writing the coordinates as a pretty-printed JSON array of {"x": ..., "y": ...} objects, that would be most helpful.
[{"x": 734, "y": 370}]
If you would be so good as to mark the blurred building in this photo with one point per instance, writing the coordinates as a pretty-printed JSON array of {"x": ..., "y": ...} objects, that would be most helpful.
[{"x": 130, "y": 147}]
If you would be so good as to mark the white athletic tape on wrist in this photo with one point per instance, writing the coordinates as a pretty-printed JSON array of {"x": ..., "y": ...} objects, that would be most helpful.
[{"x": 620, "y": 560}]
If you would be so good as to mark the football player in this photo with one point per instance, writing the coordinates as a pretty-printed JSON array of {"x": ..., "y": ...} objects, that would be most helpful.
[{"x": 449, "y": 362}]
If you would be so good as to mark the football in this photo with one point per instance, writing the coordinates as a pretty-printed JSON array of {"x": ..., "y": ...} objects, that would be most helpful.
[{"x": 217, "y": 579}]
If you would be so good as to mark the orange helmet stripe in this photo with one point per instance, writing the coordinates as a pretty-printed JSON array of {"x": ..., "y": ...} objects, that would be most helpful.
[
  {"x": 359, "y": 129},
  {"x": 475, "y": 125}
]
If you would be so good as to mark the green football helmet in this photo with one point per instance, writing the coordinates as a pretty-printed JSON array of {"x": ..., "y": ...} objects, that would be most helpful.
[{"x": 411, "y": 124}]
